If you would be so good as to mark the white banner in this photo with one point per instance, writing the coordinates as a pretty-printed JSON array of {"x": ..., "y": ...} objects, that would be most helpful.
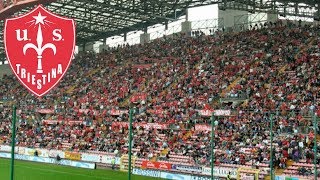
[
  {"x": 21, "y": 150},
  {"x": 91, "y": 157},
  {"x": 220, "y": 171},
  {"x": 206, "y": 112},
  {"x": 107, "y": 159},
  {"x": 146, "y": 172},
  {"x": 5, "y": 148},
  {"x": 31, "y": 151},
  {"x": 43, "y": 152},
  {"x": 185, "y": 168},
  {"x": 50, "y": 160},
  {"x": 220, "y": 112},
  {"x": 54, "y": 153}
]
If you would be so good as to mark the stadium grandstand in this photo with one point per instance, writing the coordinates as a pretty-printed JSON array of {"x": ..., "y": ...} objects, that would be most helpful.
[{"x": 235, "y": 97}]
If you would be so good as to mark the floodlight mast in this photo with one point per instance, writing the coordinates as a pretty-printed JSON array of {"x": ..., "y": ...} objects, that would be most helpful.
[
  {"x": 315, "y": 145},
  {"x": 130, "y": 142},
  {"x": 212, "y": 145},
  {"x": 13, "y": 142}
]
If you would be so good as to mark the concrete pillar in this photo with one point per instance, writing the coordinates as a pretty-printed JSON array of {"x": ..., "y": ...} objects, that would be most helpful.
[
  {"x": 5, "y": 69},
  {"x": 81, "y": 48},
  {"x": 103, "y": 47},
  {"x": 272, "y": 17},
  {"x": 187, "y": 14},
  {"x": 89, "y": 46},
  {"x": 104, "y": 41},
  {"x": 232, "y": 17},
  {"x": 186, "y": 27},
  {"x": 317, "y": 15},
  {"x": 144, "y": 38}
]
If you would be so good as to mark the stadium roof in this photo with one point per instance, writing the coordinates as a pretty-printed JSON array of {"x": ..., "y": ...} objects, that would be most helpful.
[{"x": 99, "y": 19}]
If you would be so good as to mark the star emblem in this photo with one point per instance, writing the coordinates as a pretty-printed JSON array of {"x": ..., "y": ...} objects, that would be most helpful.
[{"x": 39, "y": 18}]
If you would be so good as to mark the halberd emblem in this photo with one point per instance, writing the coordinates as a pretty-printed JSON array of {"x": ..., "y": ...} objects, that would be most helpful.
[{"x": 39, "y": 47}]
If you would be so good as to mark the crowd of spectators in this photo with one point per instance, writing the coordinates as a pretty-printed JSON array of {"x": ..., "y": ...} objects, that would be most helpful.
[{"x": 269, "y": 72}]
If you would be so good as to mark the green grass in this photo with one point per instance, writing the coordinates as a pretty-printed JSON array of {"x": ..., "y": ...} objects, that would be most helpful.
[{"x": 37, "y": 171}]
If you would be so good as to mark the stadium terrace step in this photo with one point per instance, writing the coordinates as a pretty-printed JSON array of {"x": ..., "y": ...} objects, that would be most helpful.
[
  {"x": 92, "y": 72},
  {"x": 283, "y": 68},
  {"x": 279, "y": 171},
  {"x": 235, "y": 82},
  {"x": 70, "y": 90}
]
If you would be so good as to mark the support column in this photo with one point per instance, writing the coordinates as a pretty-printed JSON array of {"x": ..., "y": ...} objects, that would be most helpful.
[
  {"x": 4, "y": 69},
  {"x": 104, "y": 41},
  {"x": 233, "y": 18},
  {"x": 88, "y": 46},
  {"x": 317, "y": 16},
  {"x": 166, "y": 25},
  {"x": 187, "y": 14},
  {"x": 103, "y": 46},
  {"x": 82, "y": 47},
  {"x": 272, "y": 17},
  {"x": 186, "y": 27},
  {"x": 145, "y": 37}
]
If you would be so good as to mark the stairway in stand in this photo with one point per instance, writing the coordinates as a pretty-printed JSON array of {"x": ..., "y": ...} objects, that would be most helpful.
[{"x": 89, "y": 74}]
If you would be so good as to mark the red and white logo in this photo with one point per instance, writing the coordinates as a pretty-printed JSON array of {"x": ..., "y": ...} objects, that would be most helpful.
[
  {"x": 39, "y": 47},
  {"x": 150, "y": 165},
  {"x": 163, "y": 166}
]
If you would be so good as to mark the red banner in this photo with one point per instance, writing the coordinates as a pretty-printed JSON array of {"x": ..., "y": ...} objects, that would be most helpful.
[
  {"x": 202, "y": 127},
  {"x": 117, "y": 112},
  {"x": 62, "y": 121},
  {"x": 86, "y": 111},
  {"x": 153, "y": 125},
  {"x": 45, "y": 111},
  {"x": 206, "y": 112},
  {"x": 155, "y": 111},
  {"x": 138, "y": 97},
  {"x": 144, "y": 125},
  {"x": 142, "y": 66},
  {"x": 156, "y": 165},
  {"x": 217, "y": 112},
  {"x": 221, "y": 112}
]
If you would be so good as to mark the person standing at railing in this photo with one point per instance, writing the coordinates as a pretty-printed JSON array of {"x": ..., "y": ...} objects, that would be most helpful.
[
  {"x": 229, "y": 176},
  {"x": 113, "y": 163}
]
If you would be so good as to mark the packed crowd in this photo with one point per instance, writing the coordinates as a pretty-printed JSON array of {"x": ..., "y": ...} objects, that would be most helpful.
[{"x": 167, "y": 81}]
